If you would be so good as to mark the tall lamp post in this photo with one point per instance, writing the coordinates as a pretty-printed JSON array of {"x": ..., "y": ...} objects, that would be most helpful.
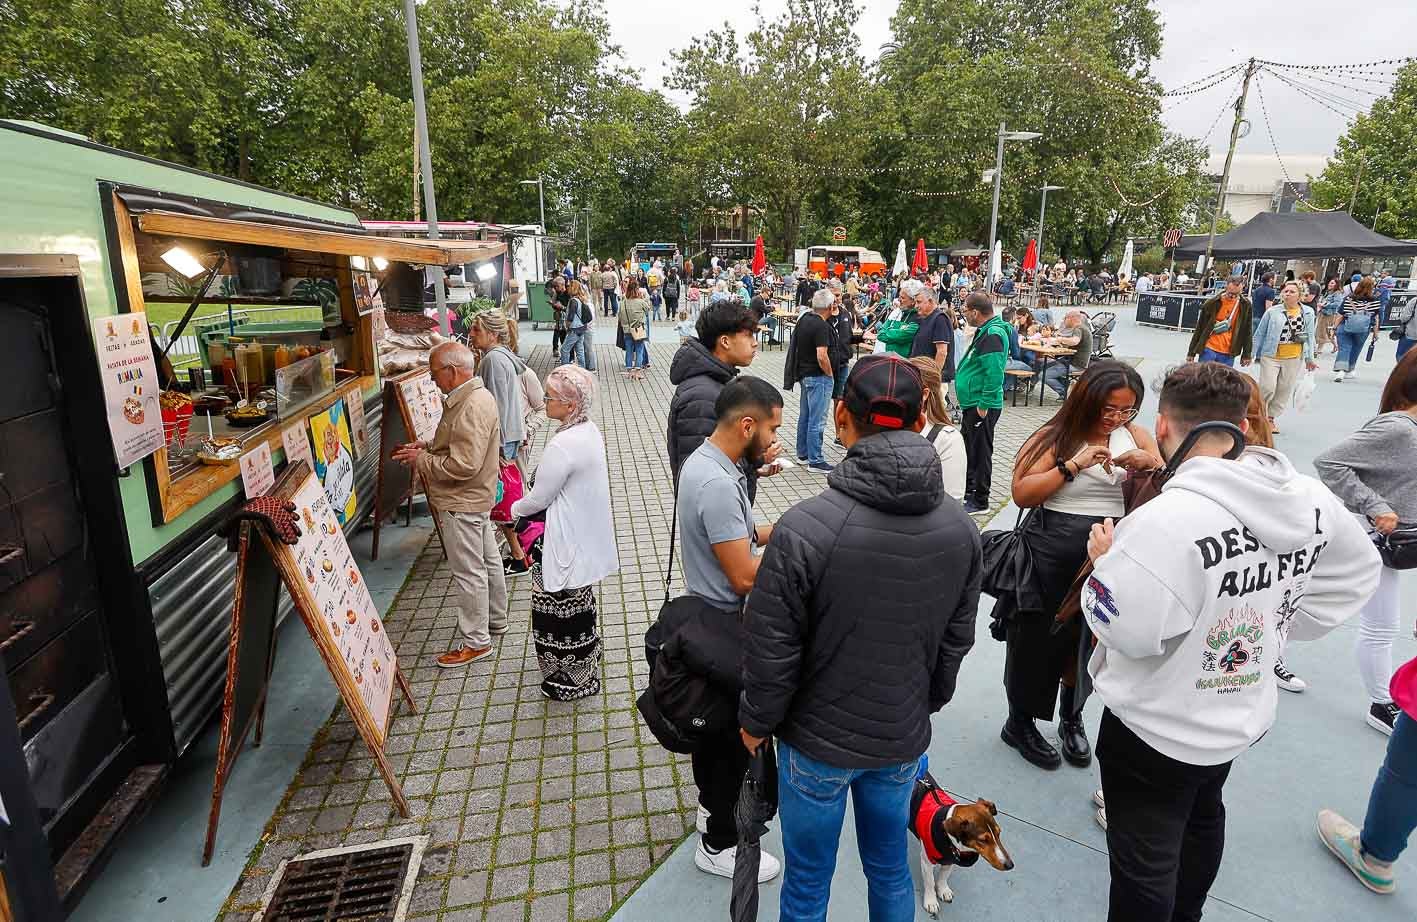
[
  {"x": 1004, "y": 135},
  {"x": 1042, "y": 210},
  {"x": 541, "y": 238},
  {"x": 420, "y": 121}
]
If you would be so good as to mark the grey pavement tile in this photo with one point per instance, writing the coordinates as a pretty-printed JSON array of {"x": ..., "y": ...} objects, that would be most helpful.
[
  {"x": 553, "y": 907},
  {"x": 591, "y": 902},
  {"x": 511, "y": 880},
  {"x": 467, "y": 888},
  {"x": 514, "y": 911}
]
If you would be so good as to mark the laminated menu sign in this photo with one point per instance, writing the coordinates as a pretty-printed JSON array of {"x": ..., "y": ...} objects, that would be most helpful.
[
  {"x": 425, "y": 405},
  {"x": 354, "y": 405},
  {"x": 258, "y": 475},
  {"x": 296, "y": 444},
  {"x": 345, "y": 611},
  {"x": 130, "y": 385}
]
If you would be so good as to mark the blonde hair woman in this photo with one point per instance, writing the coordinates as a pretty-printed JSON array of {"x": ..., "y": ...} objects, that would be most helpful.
[{"x": 940, "y": 430}]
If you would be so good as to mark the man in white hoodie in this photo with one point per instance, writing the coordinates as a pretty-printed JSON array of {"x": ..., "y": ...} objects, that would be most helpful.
[{"x": 1191, "y": 600}]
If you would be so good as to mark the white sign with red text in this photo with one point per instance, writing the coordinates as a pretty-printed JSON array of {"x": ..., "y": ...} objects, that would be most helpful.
[{"x": 130, "y": 385}]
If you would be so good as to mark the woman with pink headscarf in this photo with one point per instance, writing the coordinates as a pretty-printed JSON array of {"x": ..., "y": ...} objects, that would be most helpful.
[{"x": 573, "y": 489}]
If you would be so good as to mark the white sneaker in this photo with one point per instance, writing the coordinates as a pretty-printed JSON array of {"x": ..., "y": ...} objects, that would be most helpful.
[
  {"x": 1101, "y": 814},
  {"x": 701, "y": 820},
  {"x": 1286, "y": 679},
  {"x": 722, "y": 863},
  {"x": 1338, "y": 376}
]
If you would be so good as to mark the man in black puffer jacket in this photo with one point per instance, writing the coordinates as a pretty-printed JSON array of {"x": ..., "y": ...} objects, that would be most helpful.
[
  {"x": 727, "y": 341},
  {"x": 861, "y": 612}
]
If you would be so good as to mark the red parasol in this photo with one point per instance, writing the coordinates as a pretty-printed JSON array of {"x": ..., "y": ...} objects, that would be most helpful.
[
  {"x": 1030, "y": 258},
  {"x": 920, "y": 263},
  {"x": 760, "y": 259}
]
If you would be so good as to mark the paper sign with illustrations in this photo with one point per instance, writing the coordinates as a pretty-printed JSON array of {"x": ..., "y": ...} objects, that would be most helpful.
[
  {"x": 425, "y": 405},
  {"x": 358, "y": 428},
  {"x": 368, "y": 295},
  {"x": 130, "y": 385},
  {"x": 346, "y": 610},
  {"x": 258, "y": 475},
  {"x": 296, "y": 442},
  {"x": 334, "y": 462}
]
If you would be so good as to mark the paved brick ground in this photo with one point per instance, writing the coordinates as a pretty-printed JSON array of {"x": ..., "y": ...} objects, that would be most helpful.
[{"x": 536, "y": 810}]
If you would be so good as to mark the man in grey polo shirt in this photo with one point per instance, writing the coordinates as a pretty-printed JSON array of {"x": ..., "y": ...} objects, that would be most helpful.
[{"x": 717, "y": 537}]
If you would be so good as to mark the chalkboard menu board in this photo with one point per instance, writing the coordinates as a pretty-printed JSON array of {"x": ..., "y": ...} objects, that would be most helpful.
[
  {"x": 324, "y": 581},
  {"x": 1165, "y": 309}
]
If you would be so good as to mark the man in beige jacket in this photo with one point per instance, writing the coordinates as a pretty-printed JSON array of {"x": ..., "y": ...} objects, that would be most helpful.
[{"x": 459, "y": 469}]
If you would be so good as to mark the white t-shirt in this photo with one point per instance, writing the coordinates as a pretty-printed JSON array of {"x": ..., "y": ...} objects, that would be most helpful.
[{"x": 949, "y": 445}]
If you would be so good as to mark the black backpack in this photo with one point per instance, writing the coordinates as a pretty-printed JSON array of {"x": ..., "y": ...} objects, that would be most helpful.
[
  {"x": 671, "y": 287},
  {"x": 693, "y": 650}
]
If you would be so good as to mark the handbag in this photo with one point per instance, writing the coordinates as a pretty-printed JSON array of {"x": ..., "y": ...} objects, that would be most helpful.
[
  {"x": 1006, "y": 572},
  {"x": 1399, "y": 549},
  {"x": 509, "y": 489},
  {"x": 638, "y": 333}
]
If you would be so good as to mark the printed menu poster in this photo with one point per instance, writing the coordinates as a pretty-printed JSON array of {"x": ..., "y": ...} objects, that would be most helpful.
[
  {"x": 258, "y": 475},
  {"x": 334, "y": 462},
  {"x": 130, "y": 385},
  {"x": 344, "y": 610},
  {"x": 297, "y": 445},
  {"x": 354, "y": 405},
  {"x": 425, "y": 405}
]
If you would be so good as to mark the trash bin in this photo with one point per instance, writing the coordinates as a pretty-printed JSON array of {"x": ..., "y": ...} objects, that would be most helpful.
[{"x": 539, "y": 304}]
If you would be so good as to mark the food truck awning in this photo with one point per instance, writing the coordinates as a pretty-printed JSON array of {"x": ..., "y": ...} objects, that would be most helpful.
[{"x": 419, "y": 252}]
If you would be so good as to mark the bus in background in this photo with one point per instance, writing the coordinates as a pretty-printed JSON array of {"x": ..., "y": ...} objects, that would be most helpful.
[
  {"x": 835, "y": 261},
  {"x": 644, "y": 255}
]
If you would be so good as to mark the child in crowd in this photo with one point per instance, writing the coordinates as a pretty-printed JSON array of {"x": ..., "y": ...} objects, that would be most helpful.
[{"x": 685, "y": 327}]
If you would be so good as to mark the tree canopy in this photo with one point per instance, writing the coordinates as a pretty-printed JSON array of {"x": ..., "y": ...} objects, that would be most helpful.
[{"x": 785, "y": 115}]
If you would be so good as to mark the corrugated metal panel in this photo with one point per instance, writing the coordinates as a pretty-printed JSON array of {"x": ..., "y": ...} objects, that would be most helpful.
[{"x": 191, "y": 607}]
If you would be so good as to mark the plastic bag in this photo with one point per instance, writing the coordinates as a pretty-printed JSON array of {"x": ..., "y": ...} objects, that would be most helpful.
[{"x": 1304, "y": 391}]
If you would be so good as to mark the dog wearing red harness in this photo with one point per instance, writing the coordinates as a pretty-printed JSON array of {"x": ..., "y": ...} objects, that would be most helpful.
[{"x": 951, "y": 835}]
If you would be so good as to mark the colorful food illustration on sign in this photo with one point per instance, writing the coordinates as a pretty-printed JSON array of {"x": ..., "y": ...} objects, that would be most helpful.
[{"x": 374, "y": 625}]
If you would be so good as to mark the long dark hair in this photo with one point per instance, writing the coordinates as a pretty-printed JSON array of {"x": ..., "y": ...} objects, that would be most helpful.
[
  {"x": 1400, "y": 392},
  {"x": 1080, "y": 413}
]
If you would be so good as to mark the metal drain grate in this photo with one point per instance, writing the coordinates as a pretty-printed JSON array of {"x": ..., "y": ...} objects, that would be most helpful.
[{"x": 360, "y": 884}]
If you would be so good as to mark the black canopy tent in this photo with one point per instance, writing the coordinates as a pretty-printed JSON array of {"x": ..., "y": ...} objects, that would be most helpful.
[{"x": 1295, "y": 236}]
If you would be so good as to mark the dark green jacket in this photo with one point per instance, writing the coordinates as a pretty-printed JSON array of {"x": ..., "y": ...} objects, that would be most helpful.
[
  {"x": 1244, "y": 331},
  {"x": 979, "y": 379}
]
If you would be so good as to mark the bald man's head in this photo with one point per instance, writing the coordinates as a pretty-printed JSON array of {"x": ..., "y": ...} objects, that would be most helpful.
[{"x": 451, "y": 364}]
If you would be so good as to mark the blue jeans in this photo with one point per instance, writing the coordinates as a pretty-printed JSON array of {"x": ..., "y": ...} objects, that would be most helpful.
[
  {"x": 1350, "y": 350},
  {"x": 1392, "y": 806},
  {"x": 510, "y": 449},
  {"x": 576, "y": 344},
  {"x": 1210, "y": 355},
  {"x": 1057, "y": 377},
  {"x": 812, "y": 417},
  {"x": 811, "y": 802},
  {"x": 636, "y": 355},
  {"x": 612, "y": 302},
  {"x": 1403, "y": 345}
]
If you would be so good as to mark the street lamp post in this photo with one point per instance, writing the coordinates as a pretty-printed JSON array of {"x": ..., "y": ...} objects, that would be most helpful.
[
  {"x": 420, "y": 123},
  {"x": 1042, "y": 210},
  {"x": 1004, "y": 135},
  {"x": 541, "y": 239}
]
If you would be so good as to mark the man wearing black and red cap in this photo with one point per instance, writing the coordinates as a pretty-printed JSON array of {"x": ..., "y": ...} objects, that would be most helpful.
[{"x": 862, "y": 609}]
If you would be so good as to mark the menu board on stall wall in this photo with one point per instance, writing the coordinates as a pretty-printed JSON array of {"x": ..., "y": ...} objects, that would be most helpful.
[
  {"x": 348, "y": 617},
  {"x": 358, "y": 431},
  {"x": 130, "y": 385},
  {"x": 424, "y": 403}
]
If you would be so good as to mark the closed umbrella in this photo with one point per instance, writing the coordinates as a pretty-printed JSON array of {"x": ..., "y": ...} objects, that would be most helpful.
[
  {"x": 996, "y": 263},
  {"x": 1125, "y": 270},
  {"x": 921, "y": 262},
  {"x": 760, "y": 259},
  {"x": 757, "y": 803},
  {"x": 901, "y": 266},
  {"x": 1030, "y": 256}
]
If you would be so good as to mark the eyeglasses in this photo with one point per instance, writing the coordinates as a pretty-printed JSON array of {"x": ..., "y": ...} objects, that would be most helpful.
[
  {"x": 1124, "y": 415},
  {"x": 434, "y": 371}
]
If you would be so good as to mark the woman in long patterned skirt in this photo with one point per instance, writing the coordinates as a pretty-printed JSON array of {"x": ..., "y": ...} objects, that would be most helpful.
[{"x": 572, "y": 487}]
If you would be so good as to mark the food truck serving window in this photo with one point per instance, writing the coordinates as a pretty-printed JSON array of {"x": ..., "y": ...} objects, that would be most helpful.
[{"x": 280, "y": 317}]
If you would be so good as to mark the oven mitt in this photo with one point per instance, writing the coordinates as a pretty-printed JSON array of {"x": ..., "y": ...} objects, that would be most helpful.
[{"x": 276, "y": 516}]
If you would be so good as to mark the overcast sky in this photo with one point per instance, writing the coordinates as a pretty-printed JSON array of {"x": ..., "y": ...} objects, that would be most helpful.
[{"x": 1201, "y": 37}]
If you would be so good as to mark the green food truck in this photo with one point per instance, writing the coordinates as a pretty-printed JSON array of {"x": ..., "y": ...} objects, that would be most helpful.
[{"x": 115, "y": 588}]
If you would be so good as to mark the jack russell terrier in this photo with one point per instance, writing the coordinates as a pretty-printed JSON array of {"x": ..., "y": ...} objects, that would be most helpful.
[{"x": 951, "y": 834}]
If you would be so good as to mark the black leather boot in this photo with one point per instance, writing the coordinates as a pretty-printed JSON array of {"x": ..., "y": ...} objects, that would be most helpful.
[
  {"x": 1021, "y": 733},
  {"x": 1071, "y": 732}
]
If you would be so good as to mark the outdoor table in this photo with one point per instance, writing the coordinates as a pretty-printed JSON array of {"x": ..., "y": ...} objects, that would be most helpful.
[{"x": 1048, "y": 353}]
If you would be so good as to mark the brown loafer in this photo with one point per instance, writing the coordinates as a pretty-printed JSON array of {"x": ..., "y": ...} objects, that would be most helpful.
[{"x": 462, "y": 656}]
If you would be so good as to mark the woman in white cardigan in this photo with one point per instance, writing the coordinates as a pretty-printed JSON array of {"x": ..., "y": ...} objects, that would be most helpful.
[{"x": 573, "y": 489}]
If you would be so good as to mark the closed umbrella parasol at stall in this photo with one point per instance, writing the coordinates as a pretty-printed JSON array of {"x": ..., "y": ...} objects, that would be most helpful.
[
  {"x": 1030, "y": 256},
  {"x": 901, "y": 266},
  {"x": 1125, "y": 270},
  {"x": 996, "y": 263},
  {"x": 760, "y": 259},
  {"x": 757, "y": 803},
  {"x": 921, "y": 262}
]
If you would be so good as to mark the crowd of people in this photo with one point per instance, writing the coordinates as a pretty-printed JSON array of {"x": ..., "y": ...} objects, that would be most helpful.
[{"x": 843, "y": 624}]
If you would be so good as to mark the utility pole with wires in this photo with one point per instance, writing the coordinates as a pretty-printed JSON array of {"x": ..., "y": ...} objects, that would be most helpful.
[
  {"x": 1358, "y": 177},
  {"x": 1250, "y": 69}
]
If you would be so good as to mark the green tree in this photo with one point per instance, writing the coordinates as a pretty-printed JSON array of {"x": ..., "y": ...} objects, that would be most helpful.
[{"x": 1383, "y": 144}]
